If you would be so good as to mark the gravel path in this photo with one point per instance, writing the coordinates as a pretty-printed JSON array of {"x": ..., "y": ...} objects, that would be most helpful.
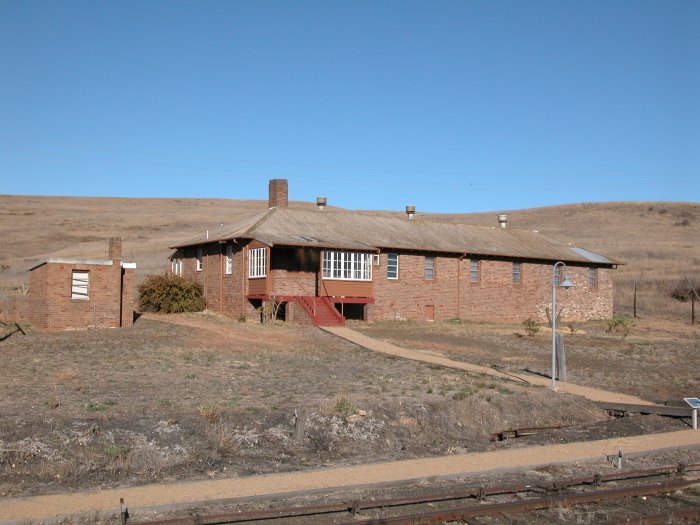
[
  {"x": 139, "y": 499},
  {"x": 431, "y": 357}
]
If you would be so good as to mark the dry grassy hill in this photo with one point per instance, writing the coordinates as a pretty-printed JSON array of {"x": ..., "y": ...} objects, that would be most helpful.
[{"x": 658, "y": 241}]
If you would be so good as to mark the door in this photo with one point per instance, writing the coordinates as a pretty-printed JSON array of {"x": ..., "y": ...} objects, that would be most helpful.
[{"x": 429, "y": 312}]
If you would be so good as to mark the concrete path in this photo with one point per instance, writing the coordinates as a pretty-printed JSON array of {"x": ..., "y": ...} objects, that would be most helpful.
[
  {"x": 15, "y": 511},
  {"x": 375, "y": 345}
]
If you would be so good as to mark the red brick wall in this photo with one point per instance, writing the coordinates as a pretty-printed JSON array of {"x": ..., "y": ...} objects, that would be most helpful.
[
  {"x": 493, "y": 297},
  {"x": 222, "y": 292},
  {"x": 296, "y": 314},
  {"x": 293, "y": 283},
  {"x": 50, "y": 306},
  {"x": 14, "y": 308}
]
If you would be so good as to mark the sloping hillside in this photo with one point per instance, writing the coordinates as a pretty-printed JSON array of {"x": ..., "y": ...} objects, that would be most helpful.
[{"x": 658, "y": 241}]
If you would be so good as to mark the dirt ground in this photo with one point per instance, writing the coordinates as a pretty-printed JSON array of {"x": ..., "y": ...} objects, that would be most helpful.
[
  {"x": 201, "y": 396},
  {"x": 658, "y": 359}
]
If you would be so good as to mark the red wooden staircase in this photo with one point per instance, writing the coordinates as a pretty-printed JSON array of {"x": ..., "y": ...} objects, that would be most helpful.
[{"x": 321, "y": 310}]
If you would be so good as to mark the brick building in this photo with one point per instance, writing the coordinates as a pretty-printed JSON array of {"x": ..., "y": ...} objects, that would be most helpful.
[
  {"x": 66, "y": 294},
  {"x": 323, "y": 266}
]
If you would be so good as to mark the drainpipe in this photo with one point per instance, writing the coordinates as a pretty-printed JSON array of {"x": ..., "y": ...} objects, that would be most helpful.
[
  {"x": 459, "y": 260},
  {"x": 244, "y": 263},
  {"x": 221, "y": 277}
]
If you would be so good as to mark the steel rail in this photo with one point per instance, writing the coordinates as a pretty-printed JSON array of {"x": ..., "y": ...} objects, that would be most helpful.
[
  {"x": 658, "y": 519},
  {"x": 479, "y": 493},
  {"x": 525, "y": 506}
]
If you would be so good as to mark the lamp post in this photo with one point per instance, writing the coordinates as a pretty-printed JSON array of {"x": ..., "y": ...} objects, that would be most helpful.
[{"x": 565, "y": 283}]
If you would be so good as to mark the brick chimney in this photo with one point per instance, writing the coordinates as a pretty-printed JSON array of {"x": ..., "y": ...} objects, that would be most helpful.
[
  {"x": 115, "y": 249},
  {"x": 278, "y": 193}
]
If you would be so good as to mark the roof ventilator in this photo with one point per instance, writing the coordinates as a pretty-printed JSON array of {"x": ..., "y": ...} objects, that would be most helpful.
[
  {"x": 410, "y": 211},
  {"x": 321, "y": 203},
  {"x": 503, "y": 220}
]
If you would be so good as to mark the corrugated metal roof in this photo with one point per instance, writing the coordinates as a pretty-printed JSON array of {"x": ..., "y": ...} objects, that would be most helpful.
[
  {"x": 353, "y": 231},
  {"x": 68, "y": 260},
  {"x": 591, "y": 256},
  {"x": 92, "y": 262}
]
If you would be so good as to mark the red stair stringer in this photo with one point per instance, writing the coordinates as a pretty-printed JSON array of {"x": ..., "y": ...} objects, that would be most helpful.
[{"x": 325, "y": 312}]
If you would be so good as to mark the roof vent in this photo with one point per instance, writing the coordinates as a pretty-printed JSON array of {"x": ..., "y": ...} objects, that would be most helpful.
[
  {"x": 503, "y": 220},
  {"x": 321, "y": 203},
  {"x": 410, "y": 211}
]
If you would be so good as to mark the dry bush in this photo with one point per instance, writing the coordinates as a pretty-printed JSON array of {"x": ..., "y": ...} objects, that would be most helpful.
[
  {"x": 144, "y": 460},
  {"x": 223, "y": 438},
  {"x": 67, "y": 374},
  {"x": 210, "y": 413},
  {"x": 329, "y": 432}
]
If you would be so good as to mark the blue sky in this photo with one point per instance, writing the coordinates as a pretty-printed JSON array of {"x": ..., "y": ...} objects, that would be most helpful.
[{"x": 453, "y": 106}]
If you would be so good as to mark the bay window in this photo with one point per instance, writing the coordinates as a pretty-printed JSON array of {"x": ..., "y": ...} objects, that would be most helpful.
[
  {"x": 348, "y": 266},
  {"x": 257, "y": 262}
]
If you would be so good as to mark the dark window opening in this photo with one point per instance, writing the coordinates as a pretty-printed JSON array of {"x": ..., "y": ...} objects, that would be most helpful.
[
  {"x": 281, "y": 312},
  {"x": 257, "y": 304},
  {"x": 351, "y": 311},
  {"x": 295, "y": 259}
]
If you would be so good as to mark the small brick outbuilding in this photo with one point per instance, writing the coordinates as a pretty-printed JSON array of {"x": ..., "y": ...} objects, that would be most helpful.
[{"x": 73, "y": 294}]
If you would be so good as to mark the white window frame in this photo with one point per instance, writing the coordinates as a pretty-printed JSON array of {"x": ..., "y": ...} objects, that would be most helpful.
[
  {"x": 228, "y": 269},
  {"x": 557, "y": 276},
  {"x": 429, "y": 268},
  {"x": 347, "y": 266},
  {"x": 517, "y": 273},
  {"x": 176, "y": 266},
  {"x": 198, "y": 259},
  {"x": 593, "y": 278},
  {"x": 257, "y": 263},
  {"x": 392, "y": 267},
  {"x": 474, "y": 270},
  {"x": 80, "y": 285}
]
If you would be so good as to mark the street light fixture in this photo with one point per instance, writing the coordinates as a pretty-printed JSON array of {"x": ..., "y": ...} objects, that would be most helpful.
[{"x": 565, "y": 283}]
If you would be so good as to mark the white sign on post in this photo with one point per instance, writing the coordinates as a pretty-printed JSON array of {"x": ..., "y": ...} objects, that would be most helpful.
[{"x": 694, "y": 403}]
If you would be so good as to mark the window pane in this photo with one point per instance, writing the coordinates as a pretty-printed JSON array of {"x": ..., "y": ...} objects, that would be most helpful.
[
  {"x": 257, "y": 266},
  {"x": 592, "y": 277},
  {"x": 474, "y": 270},
  {"x": 337, "y": 266},
  {"x": 429, "y": 267},
  {"x": 348, "y": 266},
  {"x": 516, "y": 273},
  {"x": 80, "y": 285},
  {"x": 392, "y": 266},
  {"x": 229, "y": 259}
]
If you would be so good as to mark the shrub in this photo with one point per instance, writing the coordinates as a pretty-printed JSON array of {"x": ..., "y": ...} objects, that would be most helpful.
[
  {"x": 170, "y": 294},
  {"x": 621, "y": 324},
  {"x": 531, "y": 327},
  {"x": 344, "y": 406}
]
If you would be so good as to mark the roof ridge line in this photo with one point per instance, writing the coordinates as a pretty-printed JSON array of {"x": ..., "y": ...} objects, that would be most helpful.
[{"x": 262, "y": 219}]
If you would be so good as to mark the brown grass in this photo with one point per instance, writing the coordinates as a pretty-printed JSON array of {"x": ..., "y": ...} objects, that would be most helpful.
[
  {"x": 67, "y": 374},
  {"x": 163, "y": 400}
]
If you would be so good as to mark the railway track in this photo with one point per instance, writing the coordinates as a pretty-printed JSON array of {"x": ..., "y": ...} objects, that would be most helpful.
[{"x": 669, "y": 494}]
